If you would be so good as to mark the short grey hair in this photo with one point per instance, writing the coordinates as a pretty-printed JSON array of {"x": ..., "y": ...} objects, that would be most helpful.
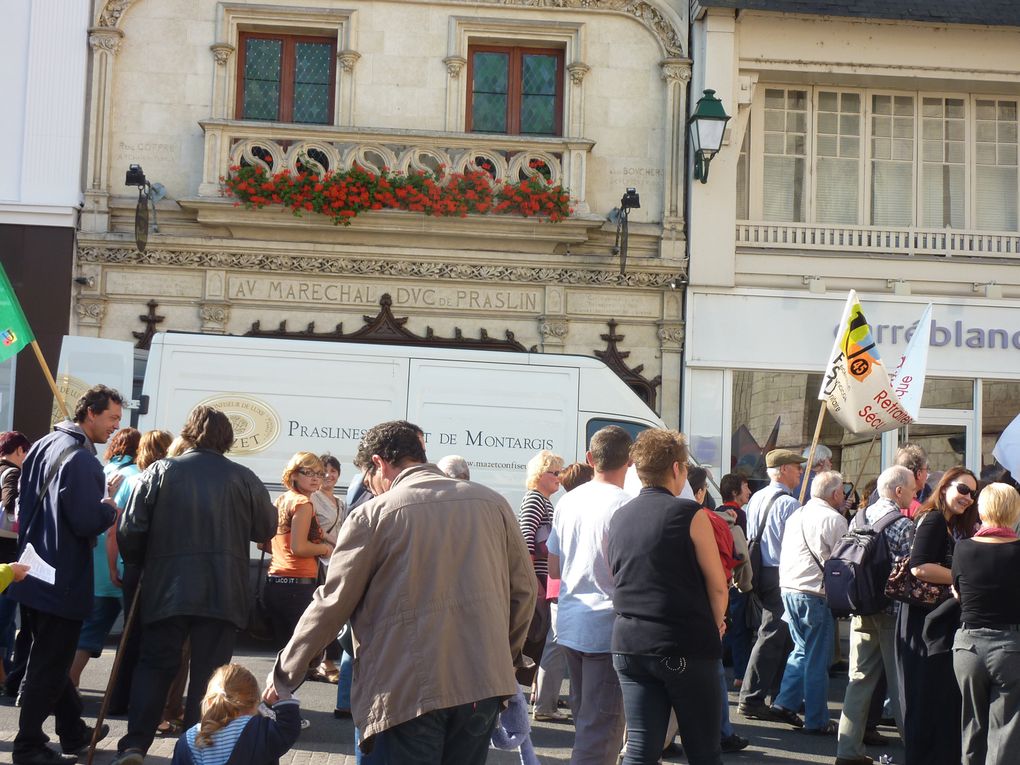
[
  {"x": 455, "y": 466},
  {"x": 825, "y": 484},
  {"x": 822, "y": 453},
  {"x": 773, "y": 473},
  {"x": 893, "y": 478}
]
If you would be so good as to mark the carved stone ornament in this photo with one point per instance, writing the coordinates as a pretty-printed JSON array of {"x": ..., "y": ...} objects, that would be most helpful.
[
  {"x": 90, "y": 311},
  {"x": 577, "y": 72},
  {"x": 222, "y": 52},
  {"x": 553, "y": 328},
  {"x": 102, "y": 39},
  {"x": 150, "y": 320},
  {"x": 405, "y": 269},
  {"x": 671, "y": 336},
  {"x": 676, "y": 70},
  {"x": 644, "y": 12},
  {"x": 384, "y": 327},
  {"x": 454, "y": 65},
  {"x": 347, "y": 59},
  {"x": 111, "y": 12},
  {"x": 214, "y": 313},
  {"x": 616, "y": 360}
]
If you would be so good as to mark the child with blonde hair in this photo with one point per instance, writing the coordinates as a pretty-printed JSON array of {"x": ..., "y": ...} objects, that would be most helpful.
[{"x": 232, "y": 730}]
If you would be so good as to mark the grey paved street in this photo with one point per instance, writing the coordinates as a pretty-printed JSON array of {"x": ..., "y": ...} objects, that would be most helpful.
[{"x": 331, "y": 742}]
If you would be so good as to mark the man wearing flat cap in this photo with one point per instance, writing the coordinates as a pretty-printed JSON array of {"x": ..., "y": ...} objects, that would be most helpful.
[{"x": 766, "y": 519}]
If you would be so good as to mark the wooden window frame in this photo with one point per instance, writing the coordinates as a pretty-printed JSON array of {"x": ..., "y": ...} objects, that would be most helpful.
[
  {"x": 288, "y": 63},
  {"x": 515, "y": 53}
]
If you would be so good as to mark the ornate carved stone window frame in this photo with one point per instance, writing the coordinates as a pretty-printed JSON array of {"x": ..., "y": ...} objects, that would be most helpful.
[
  {"x": 467, "y": 30},
  {"x": 234, "y": 18}
]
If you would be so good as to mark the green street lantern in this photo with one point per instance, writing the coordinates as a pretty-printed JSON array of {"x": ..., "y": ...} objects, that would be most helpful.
[{"x": 707, "y": 126}]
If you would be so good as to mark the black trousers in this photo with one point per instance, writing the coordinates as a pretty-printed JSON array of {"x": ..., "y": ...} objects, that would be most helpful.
[
  {"x": 22, "y": 647},
  {"x": 47, "y": 689},
  {"x": 212, "y": 645},
  {"x": 286, "y": 604}
]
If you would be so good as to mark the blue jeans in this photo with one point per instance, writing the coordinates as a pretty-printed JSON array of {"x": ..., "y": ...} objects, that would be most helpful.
[
  {"x": 454, "y": 736},
  {"x": 652, "y": 685},
  {"x": 738, "y": 634},
  {"x": 378, "y": 754},
  {"x": 807, "y": 668},
  {"x": 343, "y": 684},
  {"x": 726, "y": 728}
]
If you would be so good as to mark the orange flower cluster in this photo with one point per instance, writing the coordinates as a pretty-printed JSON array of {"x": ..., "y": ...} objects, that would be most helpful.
[{"x": 343, "y": 195}]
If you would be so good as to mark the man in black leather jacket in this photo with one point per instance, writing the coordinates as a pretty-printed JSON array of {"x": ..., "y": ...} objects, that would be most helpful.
[{"x": 189, "y": 522}]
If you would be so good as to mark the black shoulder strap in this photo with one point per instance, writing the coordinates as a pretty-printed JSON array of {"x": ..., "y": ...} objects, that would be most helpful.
[
  {"x": 765, "y": 515},
  {"x": 52, "y": 474},
  {"x": 808, "y": 546}
]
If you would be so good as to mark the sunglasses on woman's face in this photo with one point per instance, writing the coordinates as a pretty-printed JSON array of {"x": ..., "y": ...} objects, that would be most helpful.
[
  {"x": 311, "y": 473},
  {"x": 964, "y": 489}
]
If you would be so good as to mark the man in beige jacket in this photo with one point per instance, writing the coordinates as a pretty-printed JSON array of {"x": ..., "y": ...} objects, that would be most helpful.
[{"x": 434, "y": 575}]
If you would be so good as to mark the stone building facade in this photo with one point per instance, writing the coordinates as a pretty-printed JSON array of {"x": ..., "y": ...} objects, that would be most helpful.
[{"x": 168, "y": 93}]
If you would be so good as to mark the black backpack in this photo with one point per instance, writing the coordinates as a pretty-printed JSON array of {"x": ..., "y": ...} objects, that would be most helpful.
[{"x": 856, "y": 573}]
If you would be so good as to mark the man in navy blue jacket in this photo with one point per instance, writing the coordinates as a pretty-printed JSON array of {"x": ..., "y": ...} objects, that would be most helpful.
[{"x": 61, "y": 509}]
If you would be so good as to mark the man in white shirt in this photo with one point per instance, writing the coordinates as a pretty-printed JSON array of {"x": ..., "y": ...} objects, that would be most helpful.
[
  {"x": 584, "y": 622},
  {"x": 811, "y": 534}
]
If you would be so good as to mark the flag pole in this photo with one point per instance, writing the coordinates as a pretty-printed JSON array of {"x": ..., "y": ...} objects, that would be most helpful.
[
  {"x": 814, "y": 443},
  {"x": 50, "y": 380},
  {"x": 864, "y": 463}
]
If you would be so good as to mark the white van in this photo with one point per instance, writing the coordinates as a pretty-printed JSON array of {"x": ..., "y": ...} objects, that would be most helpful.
[{"x": 494, "y": 408}]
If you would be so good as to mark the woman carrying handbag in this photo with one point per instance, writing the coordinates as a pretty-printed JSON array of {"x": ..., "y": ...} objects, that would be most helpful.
[{"x": 929, "y": 695}]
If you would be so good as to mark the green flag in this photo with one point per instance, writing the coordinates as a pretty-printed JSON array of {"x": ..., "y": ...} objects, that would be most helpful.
[{"x": 15, "y": 333}]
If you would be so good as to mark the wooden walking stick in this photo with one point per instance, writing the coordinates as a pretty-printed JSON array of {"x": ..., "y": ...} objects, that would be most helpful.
[{"x": 128, "y": 623}]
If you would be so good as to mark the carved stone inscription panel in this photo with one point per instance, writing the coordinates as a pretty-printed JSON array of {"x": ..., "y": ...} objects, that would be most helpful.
[{"x": 263, "y": 289}]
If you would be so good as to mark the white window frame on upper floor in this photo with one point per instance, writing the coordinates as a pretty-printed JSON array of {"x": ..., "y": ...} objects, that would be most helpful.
[{"x": 755, "y": 171}]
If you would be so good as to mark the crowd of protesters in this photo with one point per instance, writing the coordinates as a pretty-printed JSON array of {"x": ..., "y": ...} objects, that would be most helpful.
[{"x": 655, "y": 603}]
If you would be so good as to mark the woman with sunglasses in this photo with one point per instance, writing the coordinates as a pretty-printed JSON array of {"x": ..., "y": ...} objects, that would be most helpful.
[
  {"x": 929, "y": 695},
  {"x": 293, "y": 568},
  {"x": 535, "y": 517}
]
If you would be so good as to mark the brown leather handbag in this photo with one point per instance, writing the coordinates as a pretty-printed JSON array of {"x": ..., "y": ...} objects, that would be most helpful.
[{"x": 907, "y": 588}]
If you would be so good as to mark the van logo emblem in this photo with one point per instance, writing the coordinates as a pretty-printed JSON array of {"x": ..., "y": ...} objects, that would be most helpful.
[{"x": 256, "y": 425}]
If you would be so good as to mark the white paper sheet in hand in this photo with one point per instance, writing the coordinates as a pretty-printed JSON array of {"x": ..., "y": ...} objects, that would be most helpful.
[{"x": 38, "y": 568}]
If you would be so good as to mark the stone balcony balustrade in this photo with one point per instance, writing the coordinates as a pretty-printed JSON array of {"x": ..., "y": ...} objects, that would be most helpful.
[
  {"x": 325, "y": 148},
  {"x": 276, "y": 146}
]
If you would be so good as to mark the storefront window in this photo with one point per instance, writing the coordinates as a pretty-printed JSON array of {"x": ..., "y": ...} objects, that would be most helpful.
[
  {"x": 947, "y": 393},
  {"x": 1000, "y": 402},
  {"x": 776, "y": 410}
]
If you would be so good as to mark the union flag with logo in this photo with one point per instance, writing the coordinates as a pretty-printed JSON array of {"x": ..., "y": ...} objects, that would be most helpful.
[{"x": 859, "y": 391}]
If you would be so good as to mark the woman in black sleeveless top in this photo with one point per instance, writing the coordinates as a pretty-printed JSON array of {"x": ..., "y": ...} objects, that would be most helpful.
[{"x": 670, "y": 602}]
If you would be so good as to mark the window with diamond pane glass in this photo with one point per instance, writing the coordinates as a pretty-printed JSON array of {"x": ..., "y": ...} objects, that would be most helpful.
[
  {"x": 515, "y": 90},
  {"x": 262, "y": 66},
  {"x": 286, "y": 78},
  {"x": 311, "y": 82},
  {"x": 490, "y": 78},
  {"x": 538, "y": 94}
]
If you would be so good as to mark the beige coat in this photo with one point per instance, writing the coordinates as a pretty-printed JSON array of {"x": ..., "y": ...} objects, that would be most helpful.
[{"x": 436, "y": 580}]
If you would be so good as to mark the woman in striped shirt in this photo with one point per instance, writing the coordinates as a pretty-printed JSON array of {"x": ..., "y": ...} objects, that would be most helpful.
[{"x": 535, "y": 518}]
